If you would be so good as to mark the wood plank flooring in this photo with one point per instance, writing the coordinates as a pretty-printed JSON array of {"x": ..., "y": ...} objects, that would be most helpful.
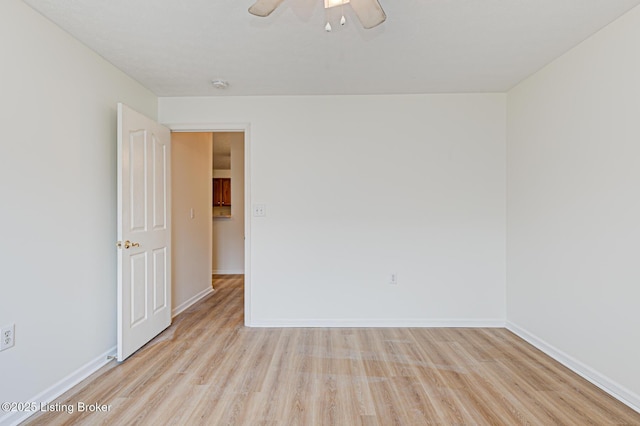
[{"x": 208, "y": 369}]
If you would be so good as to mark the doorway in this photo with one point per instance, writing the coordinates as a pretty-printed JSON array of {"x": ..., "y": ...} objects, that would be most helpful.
[
  {"x": 228, "y": 203},
  {"x": 228, "y": 236}
]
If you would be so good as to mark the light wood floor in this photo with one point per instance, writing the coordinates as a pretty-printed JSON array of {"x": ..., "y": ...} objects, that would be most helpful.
[{"x": 208, "y": 369}]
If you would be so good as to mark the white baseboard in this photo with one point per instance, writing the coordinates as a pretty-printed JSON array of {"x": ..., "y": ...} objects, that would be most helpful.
[
  {"x": 380, "y": 323},
  {"x": 186, "y": 305},
  {"x": 227, "y": 272},
  {"x": 49, "y": 395},
  {"x": 611, "y": 387}
]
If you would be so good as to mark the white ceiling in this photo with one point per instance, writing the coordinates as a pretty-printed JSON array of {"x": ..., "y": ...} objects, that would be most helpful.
[{"x": 175, "y": 48}]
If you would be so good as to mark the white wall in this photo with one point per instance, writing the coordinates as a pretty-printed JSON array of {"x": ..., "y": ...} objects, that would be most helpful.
[
  {"x": 191, "y": 189},
  {"x": 417, "y": 187},
  {"x": 574, "y": 209},
  {"x": 228, "y": 233},
  {"x": 58, "y": 195}
]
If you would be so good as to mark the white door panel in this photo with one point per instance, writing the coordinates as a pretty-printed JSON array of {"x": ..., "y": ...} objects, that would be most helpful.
[{"x": 144, "y": 231}]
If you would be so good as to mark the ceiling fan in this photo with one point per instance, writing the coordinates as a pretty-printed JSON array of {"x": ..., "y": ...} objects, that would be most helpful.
[{"x": 369, "y": 12}]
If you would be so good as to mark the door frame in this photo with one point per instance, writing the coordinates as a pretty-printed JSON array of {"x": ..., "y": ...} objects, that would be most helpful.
[{"x": 246, "y": 129}]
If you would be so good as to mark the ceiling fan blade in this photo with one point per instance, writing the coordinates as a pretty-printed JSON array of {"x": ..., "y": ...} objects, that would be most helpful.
[
  {"x": 264, "y": 7},
  {"x": 369, "y": 12}
]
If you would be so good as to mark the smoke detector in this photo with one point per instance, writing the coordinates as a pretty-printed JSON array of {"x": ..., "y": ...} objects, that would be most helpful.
[{"x": 220, "y": 84}]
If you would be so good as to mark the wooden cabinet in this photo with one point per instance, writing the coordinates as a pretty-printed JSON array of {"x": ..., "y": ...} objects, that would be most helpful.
[{"x": 222, "y": 192}]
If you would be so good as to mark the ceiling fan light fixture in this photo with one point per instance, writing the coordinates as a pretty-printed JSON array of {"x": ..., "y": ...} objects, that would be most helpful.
[
  {"x": 333, "y": 3},
  {"x": 368, "y": 12}
]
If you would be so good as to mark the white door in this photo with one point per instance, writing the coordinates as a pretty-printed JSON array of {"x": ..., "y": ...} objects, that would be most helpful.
[{"x": 144, "y": 230}]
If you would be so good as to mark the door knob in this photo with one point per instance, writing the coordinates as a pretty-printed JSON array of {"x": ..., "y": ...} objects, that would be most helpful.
[{"x": 127, "y": 244}]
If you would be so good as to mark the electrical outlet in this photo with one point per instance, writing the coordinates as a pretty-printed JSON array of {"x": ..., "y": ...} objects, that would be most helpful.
[
  {"x": 259, "y": 210},
  {"x": 7, "y": 336},
  {"x": 393, "y": 278}
]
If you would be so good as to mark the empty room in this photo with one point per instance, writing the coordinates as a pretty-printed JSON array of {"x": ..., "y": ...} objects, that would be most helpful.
[{"x": 435, "y": 208}]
